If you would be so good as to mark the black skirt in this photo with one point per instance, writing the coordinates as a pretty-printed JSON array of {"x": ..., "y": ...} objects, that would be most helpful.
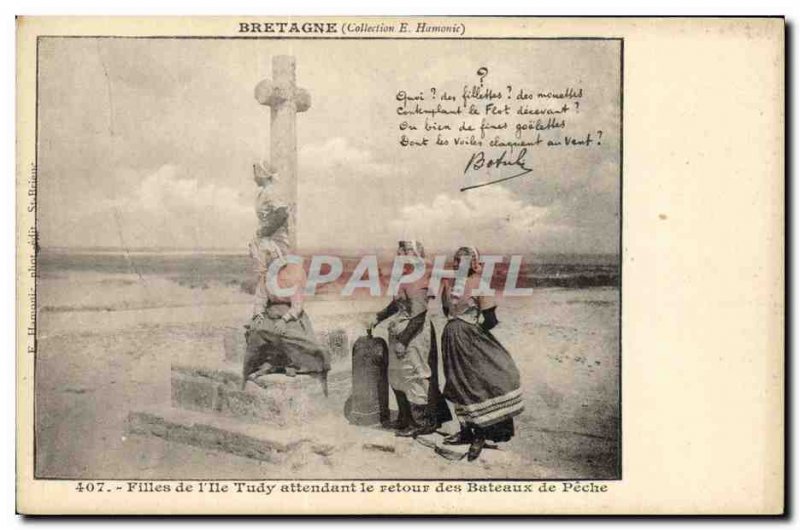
[
  {"x": 482, "y": 380},
  {"x": 291, "y": 344}
]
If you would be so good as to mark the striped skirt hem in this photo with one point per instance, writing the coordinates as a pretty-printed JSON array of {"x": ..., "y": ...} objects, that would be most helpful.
[{"x": 493, "y": 410}]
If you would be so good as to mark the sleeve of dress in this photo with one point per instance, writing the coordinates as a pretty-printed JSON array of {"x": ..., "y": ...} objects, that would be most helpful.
[
  {"x": 412, "y": 329},
  {"x": 388, "y": 311},
  {"x": 489, "y": 318},
  {"x": 445, "y": 290},
  {"x": 274, "y": 220}
]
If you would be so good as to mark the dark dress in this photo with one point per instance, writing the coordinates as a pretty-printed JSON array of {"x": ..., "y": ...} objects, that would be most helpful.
[
  {"x": 481, "y": 377},
  {"x": 284, "y": 345}
]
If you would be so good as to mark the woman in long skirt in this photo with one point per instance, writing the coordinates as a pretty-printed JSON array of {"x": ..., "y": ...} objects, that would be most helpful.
[
  {"x": 481, "y": 377},
  {"x": 413, "y": 355}
]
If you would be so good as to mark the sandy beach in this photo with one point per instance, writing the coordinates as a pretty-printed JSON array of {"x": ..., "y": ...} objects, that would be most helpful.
[{"x": 106, "y": 342}]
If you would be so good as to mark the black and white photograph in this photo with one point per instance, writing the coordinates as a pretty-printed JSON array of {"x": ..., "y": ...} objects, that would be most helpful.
[{"x": 174, "y": 175}]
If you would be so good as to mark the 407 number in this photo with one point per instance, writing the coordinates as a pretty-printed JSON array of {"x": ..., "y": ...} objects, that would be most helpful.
[{"x": 90, "y": 487}]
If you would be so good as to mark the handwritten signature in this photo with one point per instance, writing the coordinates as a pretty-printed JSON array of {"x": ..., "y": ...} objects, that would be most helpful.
[{"x": 499, "y": 168}]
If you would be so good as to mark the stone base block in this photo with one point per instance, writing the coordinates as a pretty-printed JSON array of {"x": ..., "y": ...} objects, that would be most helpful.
[
  {"x": 234, "y": 344},
  {"x": 274, "y": 398},
  {"x": 193, "y": 393}
]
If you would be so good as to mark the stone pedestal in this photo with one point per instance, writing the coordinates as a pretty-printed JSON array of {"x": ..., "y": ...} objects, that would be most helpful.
[
  {"x": 268, "y": 419},
  {"x": 275, "y": 398}
]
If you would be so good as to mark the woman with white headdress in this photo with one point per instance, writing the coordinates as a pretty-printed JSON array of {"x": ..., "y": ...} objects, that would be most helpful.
[
  {"x": 413, "y": 354},
  {"x": 481, "y": 378},
  {"x": 280, "y": 338}
]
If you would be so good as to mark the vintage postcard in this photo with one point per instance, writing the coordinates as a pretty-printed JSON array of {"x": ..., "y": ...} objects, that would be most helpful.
[{"x": 400, "y": 266}]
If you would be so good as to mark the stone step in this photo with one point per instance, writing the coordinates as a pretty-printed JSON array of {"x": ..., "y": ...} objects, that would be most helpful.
[
  {"x": 257, "y": 441},
  {"x": 273, "y": 398},
  {"x": 327, "y": 441}
]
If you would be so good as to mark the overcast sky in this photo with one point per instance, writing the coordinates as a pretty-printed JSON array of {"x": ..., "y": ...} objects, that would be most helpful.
[{"x": 150, "y": 143}]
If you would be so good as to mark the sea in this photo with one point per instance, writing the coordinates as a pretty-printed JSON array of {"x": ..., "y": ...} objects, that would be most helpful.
[{"x": 199, "y": 268}]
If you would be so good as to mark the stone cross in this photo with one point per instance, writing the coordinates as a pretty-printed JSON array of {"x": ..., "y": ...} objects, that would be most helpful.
[{"x": 285, "y": 100}]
